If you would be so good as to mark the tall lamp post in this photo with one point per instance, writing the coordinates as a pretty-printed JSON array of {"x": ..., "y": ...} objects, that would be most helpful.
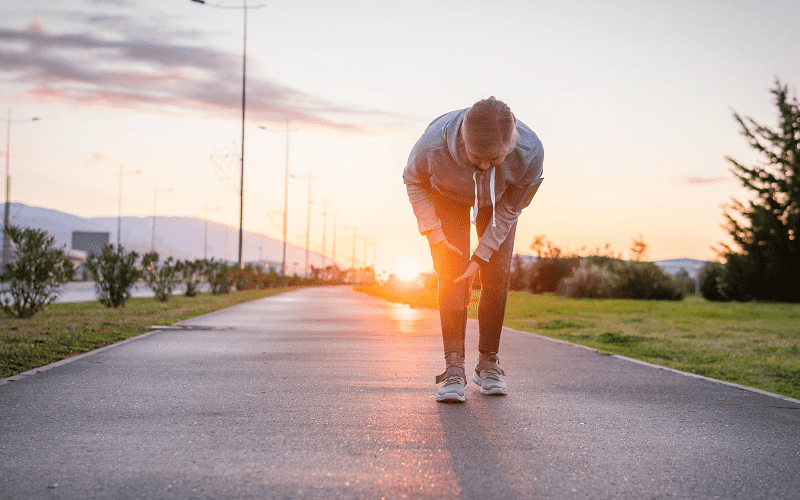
[
  {"x": 353, "y": 227},
  {"x": 119, "y": 211},
  {"x": 285, "y": 200},
  {"x": 7, "y": 217},
  {"x": 244, "y": 88},
  {"x": 285, "y": 197},
  {"x": 155, "y": 206},
  {"x": 333, "y": 240}
]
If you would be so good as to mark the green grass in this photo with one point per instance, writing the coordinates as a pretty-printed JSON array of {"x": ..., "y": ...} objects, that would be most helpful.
[
  {"x": 64, "y": 330},
  {"x": 753, "y": 344}
]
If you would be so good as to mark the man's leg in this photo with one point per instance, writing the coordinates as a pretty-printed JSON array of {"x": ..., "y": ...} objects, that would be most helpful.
[
  {"x": 449, "y": 266},
  {"x": 452, "y": 297},
  {"x": 494, "y": 287},
  {"x": 492, "y": 309}
]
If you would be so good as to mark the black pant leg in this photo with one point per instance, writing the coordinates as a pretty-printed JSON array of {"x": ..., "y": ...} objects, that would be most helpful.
[
  {"x": 453, "y": 299},
  {"x": 494, "y": 287}
]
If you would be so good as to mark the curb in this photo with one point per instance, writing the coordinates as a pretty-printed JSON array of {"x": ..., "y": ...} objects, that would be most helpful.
[
  {"x": 30, "y": 373},
  {"x": 34, "y": 371},
  {"x": 673, "y": 370}
]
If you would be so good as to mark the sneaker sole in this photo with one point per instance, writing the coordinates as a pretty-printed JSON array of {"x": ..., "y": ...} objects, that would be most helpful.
[
  {"x": 450, "y": 397},
  {"x": 497, "y": 391}
]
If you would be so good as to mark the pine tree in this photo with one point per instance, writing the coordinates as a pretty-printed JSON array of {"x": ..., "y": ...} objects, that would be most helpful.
[{"x": 767, "y": 265}]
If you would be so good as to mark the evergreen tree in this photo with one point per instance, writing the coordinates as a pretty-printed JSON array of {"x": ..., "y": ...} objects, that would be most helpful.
[{"x": 767, "y": 265}]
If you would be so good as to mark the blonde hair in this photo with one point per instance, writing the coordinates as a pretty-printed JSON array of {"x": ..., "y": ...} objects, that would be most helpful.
[{"x": 490, "y": 126}]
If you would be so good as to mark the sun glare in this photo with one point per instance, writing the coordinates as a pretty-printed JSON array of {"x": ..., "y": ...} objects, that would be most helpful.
[{"x": 407, "y": 269}]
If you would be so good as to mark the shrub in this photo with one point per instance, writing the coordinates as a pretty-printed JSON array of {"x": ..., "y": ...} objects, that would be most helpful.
[
  {"x": 114, "y": 273},
  {"x": 218, "y": 276},
  {"x": 741, "y": 281},
  {"x": 519, "y": 274},
  {"x": 685, "y": 282},
  {"x": 711, "y": 281},
  {"x": 590, "y": 281},
  {"x": 245, "y": 278},
  {"x": 549, "y": 271},
  {"x": 162, "y": 278},
  {"x": 37, "y": 269},
  {"x": 645, "y": 280},
  {"x": 191, "y": 275}
]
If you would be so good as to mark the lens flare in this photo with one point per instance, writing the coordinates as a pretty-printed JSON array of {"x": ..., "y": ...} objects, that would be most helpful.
[{"x": 407, "y": 269}]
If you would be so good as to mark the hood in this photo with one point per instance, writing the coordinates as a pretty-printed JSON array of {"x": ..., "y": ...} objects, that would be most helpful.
[{"x": 452, "y": 138}]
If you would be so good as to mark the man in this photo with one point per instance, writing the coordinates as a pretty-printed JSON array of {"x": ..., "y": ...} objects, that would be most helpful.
[{"x": 479, "y": 157}]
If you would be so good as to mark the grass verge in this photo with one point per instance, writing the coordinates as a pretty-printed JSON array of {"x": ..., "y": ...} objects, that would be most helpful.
[
  {"x": 753, "y": 344},
  {"x": 64, "y": 330}
]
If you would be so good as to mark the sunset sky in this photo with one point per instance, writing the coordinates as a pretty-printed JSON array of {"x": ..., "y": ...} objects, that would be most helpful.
[{"x": 633, "y": 101}]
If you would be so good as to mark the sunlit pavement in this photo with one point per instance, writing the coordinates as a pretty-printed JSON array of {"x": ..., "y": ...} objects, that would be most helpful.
[{"x": 327, "y": 393}]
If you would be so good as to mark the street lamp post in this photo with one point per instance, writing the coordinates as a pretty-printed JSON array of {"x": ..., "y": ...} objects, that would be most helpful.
[
  {"x": 285, "y": 197},
  {"x": 308, "y": 221},
  {"x": 333, "y": 240},
  {"x": 353, "y": 227},
  {"x": 155, "y": 206},
  {"x": 365, "y": 250},
  {"x": 7, "y": 217},
  {"x": 244, "y": 93},
  {"x": 119, "y": 211},
  {"x": 285, "y": 200},
  {"x": 324, "y": 231}
]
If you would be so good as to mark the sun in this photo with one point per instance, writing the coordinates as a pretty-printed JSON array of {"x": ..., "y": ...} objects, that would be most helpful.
[{"x": 407, "y": 269}]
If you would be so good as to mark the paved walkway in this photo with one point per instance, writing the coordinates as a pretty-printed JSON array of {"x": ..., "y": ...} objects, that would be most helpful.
[{"x": 326, "y": 393}]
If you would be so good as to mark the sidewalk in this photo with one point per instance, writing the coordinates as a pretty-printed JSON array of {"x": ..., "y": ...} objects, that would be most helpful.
[{"x": 327, "y": 393}]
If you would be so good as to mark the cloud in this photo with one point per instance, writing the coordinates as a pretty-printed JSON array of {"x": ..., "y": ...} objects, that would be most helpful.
[
  {"x": 154, "y": 74},
  {"x": 694, "y": 180}
]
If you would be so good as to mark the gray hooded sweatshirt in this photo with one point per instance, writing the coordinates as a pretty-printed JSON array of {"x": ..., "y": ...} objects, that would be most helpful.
[{"x": 438, "y": 163}]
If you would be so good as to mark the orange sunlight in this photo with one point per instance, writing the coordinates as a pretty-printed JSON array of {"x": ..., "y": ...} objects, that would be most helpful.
[{"x": 407, "y": 269}]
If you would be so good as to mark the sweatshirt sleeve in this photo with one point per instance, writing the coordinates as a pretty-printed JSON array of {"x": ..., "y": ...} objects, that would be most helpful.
[
  {"x": 506, "y": 213},
  {"x": 416, "y": 177}
]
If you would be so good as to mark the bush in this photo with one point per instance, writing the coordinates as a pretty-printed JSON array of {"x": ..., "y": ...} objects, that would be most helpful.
[
  {"x": 191, "y": 275},
  {"x": 741, "y": 281},
  {"x": 519, "y": 274},
  {"x": 685, "y": 282},
  {"x": 589, "y": 281},
  {"x": 604, "y": 277},
  {"x": 218, "y": 276},
  {"x": 114, "y": 273},
  {"x": 645, "y": 280},
  {"x": 37, "y": 269},
  {"x": 711, "y": 281},
  {"x": 161, "y": 278},
  {"x": 548, "y": 272},
  {"x": 245, "y": 278}
]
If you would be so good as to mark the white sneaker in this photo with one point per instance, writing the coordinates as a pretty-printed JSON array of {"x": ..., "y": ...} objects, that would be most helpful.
[
  {"x": 453, "y": 380},
  {"x": 487, "y": 375}
]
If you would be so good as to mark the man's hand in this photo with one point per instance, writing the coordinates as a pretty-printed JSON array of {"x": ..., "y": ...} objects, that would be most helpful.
[
  {"x": 446, "y": 244},
  {"x": 470, "y": 273}
]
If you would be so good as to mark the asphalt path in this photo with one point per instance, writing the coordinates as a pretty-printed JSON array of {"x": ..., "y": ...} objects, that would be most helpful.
[{"x": 326, "y": 393}]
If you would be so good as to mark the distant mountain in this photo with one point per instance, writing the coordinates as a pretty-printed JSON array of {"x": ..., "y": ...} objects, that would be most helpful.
[{"x": 179, "y": 237}]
